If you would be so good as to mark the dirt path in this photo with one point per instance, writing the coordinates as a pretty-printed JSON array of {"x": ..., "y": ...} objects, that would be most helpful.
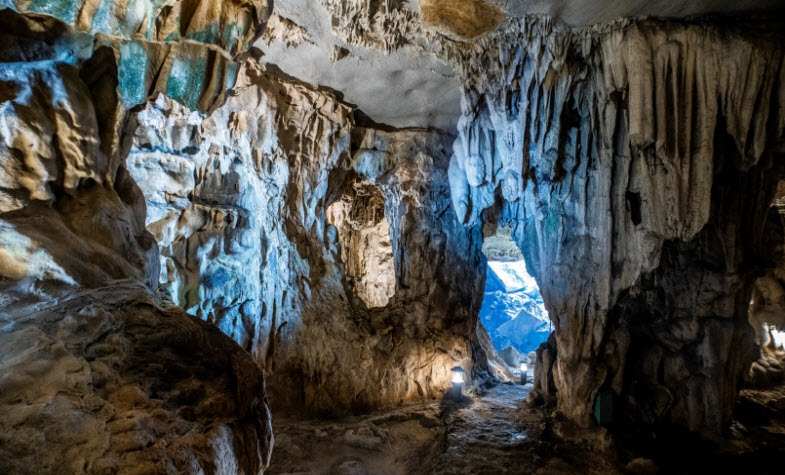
[
  {"x": 496, "y": 434},
  {"x": 485, "y": 435},
  {"x": 491, "y": 434}
]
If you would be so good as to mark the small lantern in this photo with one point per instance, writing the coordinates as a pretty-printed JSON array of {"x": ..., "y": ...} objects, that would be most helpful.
[
  {"x": 457, "y": 381},
  {"x": 524, "y": 373}
]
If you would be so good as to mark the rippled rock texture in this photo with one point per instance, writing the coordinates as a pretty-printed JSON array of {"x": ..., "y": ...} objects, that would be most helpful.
[
  {"x": 636, "y": 163},
  {"x": 96, "y": 374},
  {"x": 153, "y": 168},
  {"x": 321, "y": 242}
]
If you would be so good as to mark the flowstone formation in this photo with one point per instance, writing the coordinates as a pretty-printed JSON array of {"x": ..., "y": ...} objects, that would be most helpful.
[{"x": 635, "y": 162}]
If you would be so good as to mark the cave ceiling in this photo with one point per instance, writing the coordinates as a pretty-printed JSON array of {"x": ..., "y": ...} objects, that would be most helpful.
[{"x": 380, "y": 53}]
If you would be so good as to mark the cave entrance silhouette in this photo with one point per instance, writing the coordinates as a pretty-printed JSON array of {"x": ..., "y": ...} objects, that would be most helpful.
[{"x": 513, "y": 313}]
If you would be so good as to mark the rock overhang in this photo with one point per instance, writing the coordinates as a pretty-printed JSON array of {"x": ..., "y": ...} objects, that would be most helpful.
[{"x": 388, "y": 57}]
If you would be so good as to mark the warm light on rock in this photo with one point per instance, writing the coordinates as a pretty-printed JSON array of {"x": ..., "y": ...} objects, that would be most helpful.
[
  {"x": 457, "y": 375},
  {"x": 480, "y": 236}
]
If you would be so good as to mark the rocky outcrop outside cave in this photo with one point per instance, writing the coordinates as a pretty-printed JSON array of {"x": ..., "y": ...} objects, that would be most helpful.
[{"x": 512, "y": 310}]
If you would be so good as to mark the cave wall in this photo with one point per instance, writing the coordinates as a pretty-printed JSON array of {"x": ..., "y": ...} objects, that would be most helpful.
[
  {"x": 207, "y": 176},
  {"x": 238, "y": 201},
  {"x": 98, "y": 375},
  {"x": 636, "y": 162},
  {"x": 153, "y": 168}
]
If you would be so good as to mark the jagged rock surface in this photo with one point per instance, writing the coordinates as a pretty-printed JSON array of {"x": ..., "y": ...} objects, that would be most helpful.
[
  {"x": 187, "y": 50},
  {"x": 767, "y": 307},
  {"x": 231, "y": 26},
  {"x": 239, "y": 202},
  {"x": 632, "y": 160},
  {"x": 96, "y": 376},
  {"x": 368, "y": 52}
]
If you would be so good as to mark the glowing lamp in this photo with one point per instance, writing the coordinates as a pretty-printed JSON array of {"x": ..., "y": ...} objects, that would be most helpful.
[
  {"x": 524, "y": 373},
  {"x": 457, "y": 382}
]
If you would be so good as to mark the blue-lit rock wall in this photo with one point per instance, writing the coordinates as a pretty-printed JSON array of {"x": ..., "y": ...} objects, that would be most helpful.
[
  {"x": 237, "y": 200},
  {"x": 157, "y": 50},
  {"x": 231, "y": 26},
  {"x": 94, "y": 364},
  {"x": 234, "y": 189}
]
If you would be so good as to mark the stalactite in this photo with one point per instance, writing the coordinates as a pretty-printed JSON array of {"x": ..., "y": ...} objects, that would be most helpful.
[{"x": 614, "y": 140}]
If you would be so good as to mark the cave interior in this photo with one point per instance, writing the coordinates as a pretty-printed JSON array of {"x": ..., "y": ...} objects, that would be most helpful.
[{"x": 392, "y": 237}]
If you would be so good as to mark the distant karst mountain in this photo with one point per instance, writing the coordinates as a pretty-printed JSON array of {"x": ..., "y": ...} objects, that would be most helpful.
[{"x": 512, "y": 310}]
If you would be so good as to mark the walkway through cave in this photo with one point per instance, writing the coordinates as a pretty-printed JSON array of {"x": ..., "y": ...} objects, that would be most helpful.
[
  {"x": 512, "y": 312},
  {"x": 495, "y": 433}
]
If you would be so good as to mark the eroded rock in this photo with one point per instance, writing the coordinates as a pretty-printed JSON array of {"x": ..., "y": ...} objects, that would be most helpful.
[
  {"x": 636, "y": 170},
  {"x": 239, "y": 202},
  {"x": 98, "y": 376},
  {"x": 109, "y": 381}
]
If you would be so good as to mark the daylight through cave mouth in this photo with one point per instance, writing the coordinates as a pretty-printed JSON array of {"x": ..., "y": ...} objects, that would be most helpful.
[
  {"x": 512, "y": 312},
  {"x": 289, "y": 236}
]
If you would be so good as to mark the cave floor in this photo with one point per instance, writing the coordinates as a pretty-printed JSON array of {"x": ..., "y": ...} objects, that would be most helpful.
[{"x": 490, "y": 434}]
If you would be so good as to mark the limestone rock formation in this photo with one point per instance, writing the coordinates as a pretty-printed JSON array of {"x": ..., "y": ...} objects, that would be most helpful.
[
  {"x": 366, "y": 248},
  {"x": 177, "y": 175},
  {"x": 251, "y": 206},
  {"x": 374, "y": 53},
  {"x": 767, "y": 307},
  {"x": 184, "y": 49},
  {"x": 107, "y": 381},
  {"x": 630, "y": 159},
  {"x": 231, "y": 26},
  {"x": 98, "y": 376}
]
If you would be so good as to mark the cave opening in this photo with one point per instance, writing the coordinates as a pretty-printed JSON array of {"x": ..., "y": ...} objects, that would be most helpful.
[{"x": 512, "y": 312}]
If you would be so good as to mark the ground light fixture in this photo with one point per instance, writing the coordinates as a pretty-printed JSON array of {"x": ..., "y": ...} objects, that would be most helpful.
[
  {"x": 524, "y": 373},
  {"x": 457, "y": 382}
]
